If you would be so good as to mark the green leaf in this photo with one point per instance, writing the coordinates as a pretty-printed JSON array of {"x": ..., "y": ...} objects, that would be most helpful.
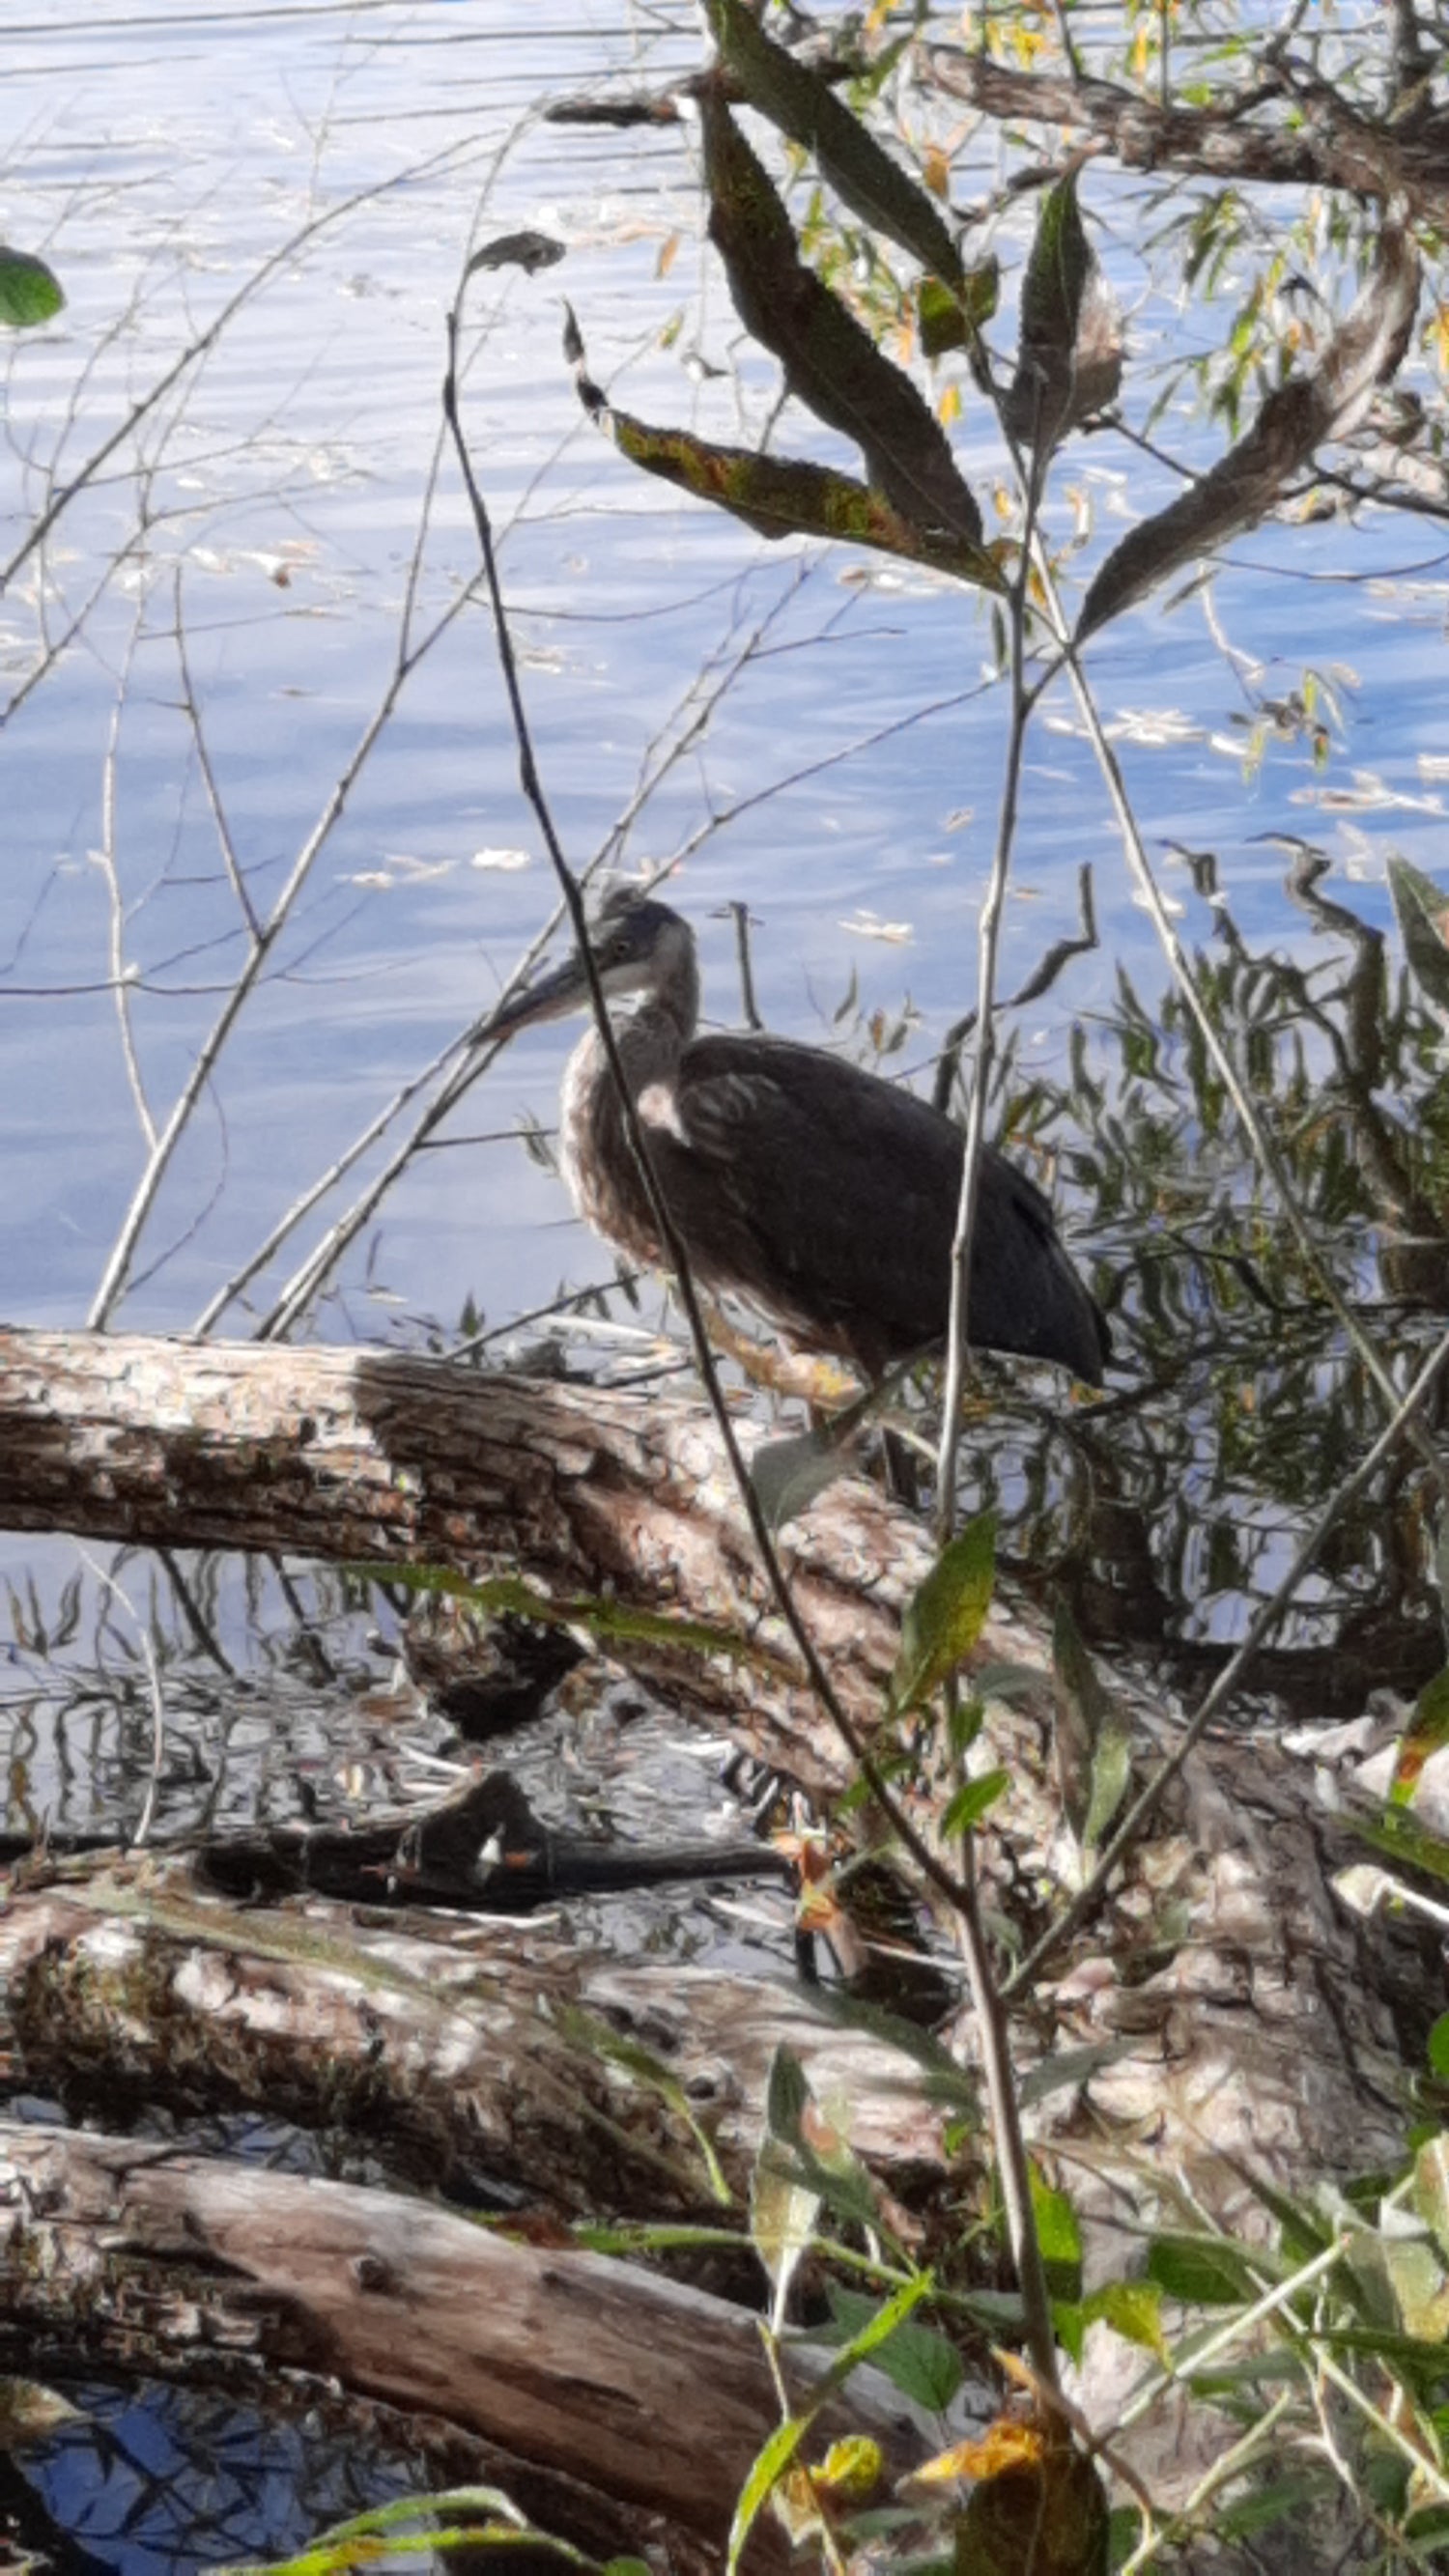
[
  {"x": 1431, "y": 2185},
  {"x": 767, "y": 2469},
  {"x": 1439, "y": 2046},
  {"x": 1059, "y": 2237},
  {"x": 916, "y": 2360},
  {"x": 787, "y": 2094},
  {"x": 507, "y": 1595},
  {"x": 952, "y": 317},
  {"x": 1093, "y": 1739},
  {"x": 1069, "y": 2067},
  {"x": 788, "y": 1474},
  {"x": 785, "y": 496},
  {"x": 831, "y": 362},
  {"x": 971, "y": 1802},
  {"x": 585, "y": 2030},
  {"x": 30, "y": 292},
  {"x": 1204, "y": 2270},
  {"x": 947, "y": 1614},
  {"x": 805, "y": 107},
  {"x": 1423, "y": 914},
  {"x": 1133, "y": 2309}
]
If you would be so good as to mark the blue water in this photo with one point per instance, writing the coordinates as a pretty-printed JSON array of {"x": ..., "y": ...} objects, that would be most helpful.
[{"x": 158, "y": 161}]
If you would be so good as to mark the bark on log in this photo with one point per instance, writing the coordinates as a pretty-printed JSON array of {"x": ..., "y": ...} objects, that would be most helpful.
[
  {"x": 379, "y": 1457},
  {"x": 651, "y": 2392},
  {"x": 1256, "y": 2017},
  {"x": 468, "y": 2061}
]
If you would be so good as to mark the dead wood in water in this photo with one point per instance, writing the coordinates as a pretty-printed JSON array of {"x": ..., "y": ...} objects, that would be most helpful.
[
  {"x": 652, "y": 2393},
  {"x": 1258, "y": 2026},
  {"x": 471, "y": 2058},
  {"x": 379, "y": 1457}
]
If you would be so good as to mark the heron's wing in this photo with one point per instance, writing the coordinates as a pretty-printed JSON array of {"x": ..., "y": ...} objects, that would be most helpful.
[{"x": 829, "y": 1196}]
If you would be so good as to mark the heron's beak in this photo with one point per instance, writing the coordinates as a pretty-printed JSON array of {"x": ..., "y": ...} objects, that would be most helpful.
[{"x": 551, "y": 998}]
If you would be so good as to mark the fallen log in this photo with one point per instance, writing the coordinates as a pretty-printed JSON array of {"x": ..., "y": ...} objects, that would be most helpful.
[
  {"x": 1257, "y": 2027},
  {"x": 473, "y": 2058},
  {"x": 650, "y": 2392},
  {"x": 378, "y": 1457}
]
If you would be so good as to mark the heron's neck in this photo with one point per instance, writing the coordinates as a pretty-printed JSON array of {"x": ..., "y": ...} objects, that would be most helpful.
[{"x": 598, "y": 1163}]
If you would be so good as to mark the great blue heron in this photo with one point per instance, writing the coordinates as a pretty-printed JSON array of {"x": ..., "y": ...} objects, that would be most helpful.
[{"x": 823, "y": 1196}]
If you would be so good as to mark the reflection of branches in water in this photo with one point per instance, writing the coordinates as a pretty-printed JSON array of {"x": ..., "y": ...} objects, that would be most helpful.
[
  {"x": 1250, "y": 1410},
  {"x": 150, "y": 2478}
]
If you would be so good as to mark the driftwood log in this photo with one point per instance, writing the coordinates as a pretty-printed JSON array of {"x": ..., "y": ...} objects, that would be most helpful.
[
  {"x": 649, "y": 2391},
  {"x": 1252, "y": 2023}
]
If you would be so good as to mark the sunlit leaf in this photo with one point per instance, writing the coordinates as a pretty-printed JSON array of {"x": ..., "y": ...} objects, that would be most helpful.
[
  {"x": 1133, "y": 2309},
  {"x": 30, "y": 292},
  {"x": 766, "y": 2470},
  {"x": 1426, "y": 1732},
  {"x": 1059, "y": 2237},
  {"x": 852, "y": 2468},
  {"x": 1431, "y": 2186},
  {"x": 946, "y": 1614}
]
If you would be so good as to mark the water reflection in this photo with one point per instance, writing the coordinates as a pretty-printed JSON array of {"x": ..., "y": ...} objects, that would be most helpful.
[{"x": 1172, "y": 1509}]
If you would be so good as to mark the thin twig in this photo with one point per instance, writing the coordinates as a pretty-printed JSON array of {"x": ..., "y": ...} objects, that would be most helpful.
[{"x": 928, "y": 1861}]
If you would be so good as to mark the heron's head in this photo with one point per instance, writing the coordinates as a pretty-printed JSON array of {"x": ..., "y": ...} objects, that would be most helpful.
[{"x": 639, "y": 947}]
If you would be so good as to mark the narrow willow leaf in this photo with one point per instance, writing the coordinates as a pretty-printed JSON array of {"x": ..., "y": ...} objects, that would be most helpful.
[
  {"x": 1431, "y": 2187},
  {"x": 1068, "y": 2068},
  {"x": 1069, "y": 359},
  {"x": 946, "y": 1615},
  {"x": 501, "y": 1595},
  {"x": 766, "y": 2470},
  {"x": 1423, "y": 915},
  {"x": 805, "y": 107},
  {"x": 1093, "y": 1738},
  {"x": 831, "y": 363},
  {"x": 30, "y": 292},
  {"x": 787, "y": 2095},
  {"x": 1366, "y": 352},
  {"x": 782, "y": 496},
  {"x": 972, "y": 1801}
]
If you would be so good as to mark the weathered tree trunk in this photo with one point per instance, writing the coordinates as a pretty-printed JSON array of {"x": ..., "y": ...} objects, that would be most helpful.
[
  {"x": 374, "y": 1457},
  {"x": 649, "y": 2391},
  {"x": 476, "y": 2058}
]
